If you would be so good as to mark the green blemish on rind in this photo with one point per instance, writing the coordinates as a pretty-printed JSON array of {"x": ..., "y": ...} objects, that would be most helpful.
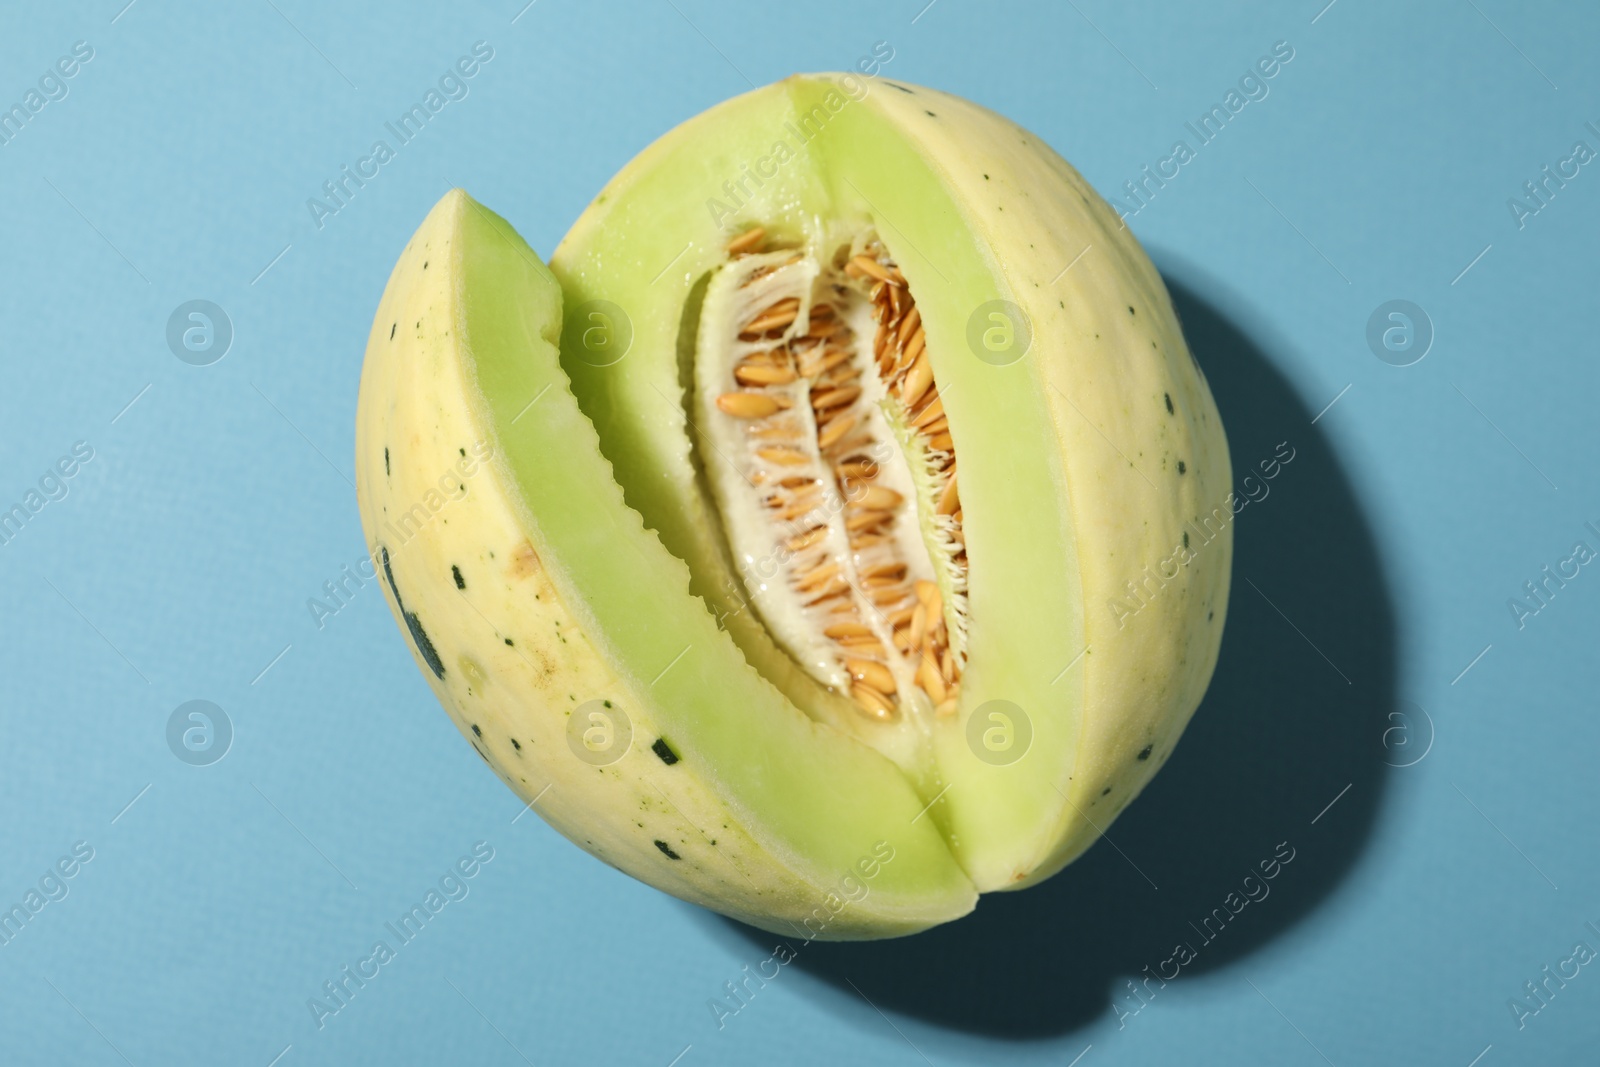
[
  {"x": 419, "y": 636},
  {"x": 424, "y": 645}
]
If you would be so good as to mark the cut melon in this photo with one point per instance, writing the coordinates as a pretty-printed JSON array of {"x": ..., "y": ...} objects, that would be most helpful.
[{"x": 812, "y": 540}]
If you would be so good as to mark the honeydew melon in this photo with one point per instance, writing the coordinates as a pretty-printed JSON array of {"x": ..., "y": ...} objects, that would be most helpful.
[{"x": 811, "y": 539}]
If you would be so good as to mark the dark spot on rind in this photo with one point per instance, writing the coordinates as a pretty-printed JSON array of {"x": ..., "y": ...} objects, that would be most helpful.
[
  {"x": 902, "y": 88},
  {"x": 1145, "y": 752},
  {"x": 392, "y": 327},
  {"x": 508, "y": 640},
  {"x": 516, "y": 744},
  {"x": 1105, "y": 791},
  {"x": 419, "y": 636},
  {"x": 430, "y": 654},
  {"x": 424, "y": 264},
  {"x": 1168, "y": 398},
  {"x": 455, "y": 572},
  {"x": 1130, "y": 309},
  {"x": 476, "y": 732},
  {"x": 385, "y": 460},
  {"x": 664, "y": 750},
  {"x": 931, "y": 115},
  {"x": 1181, "y": 467},
  {"x": 1185, "y": 545},
  {"x": 666, "y": 850}
]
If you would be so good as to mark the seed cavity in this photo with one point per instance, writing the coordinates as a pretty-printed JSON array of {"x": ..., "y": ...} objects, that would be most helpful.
[{"x": 833, "y": 466}]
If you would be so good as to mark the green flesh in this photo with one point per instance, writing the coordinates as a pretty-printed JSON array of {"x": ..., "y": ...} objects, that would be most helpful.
[
  {"x": 825, "y": 798},
  {"x": 1025, "y": 597}
]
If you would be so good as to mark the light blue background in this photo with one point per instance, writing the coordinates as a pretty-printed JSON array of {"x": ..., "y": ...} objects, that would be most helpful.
[{"x": 180, "y": 563}]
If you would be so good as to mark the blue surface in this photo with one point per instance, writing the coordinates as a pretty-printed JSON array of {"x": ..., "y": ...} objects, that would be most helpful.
[{"x": 1370, "y": 628}]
